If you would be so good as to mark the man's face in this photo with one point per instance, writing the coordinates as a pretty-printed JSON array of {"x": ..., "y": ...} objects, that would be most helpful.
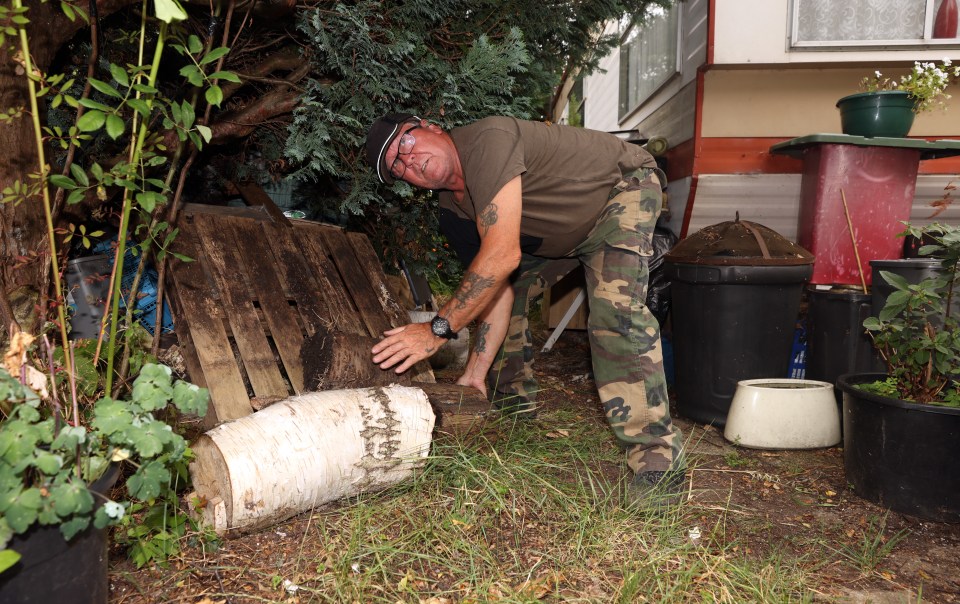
[{"x": 419, "y": 156}]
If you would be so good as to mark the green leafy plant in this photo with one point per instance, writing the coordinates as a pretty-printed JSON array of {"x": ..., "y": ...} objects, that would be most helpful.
[
  {"x": 46, "y": 463},
  {"x": 926, "y": 84},
  {"x": 916, "y": 332},
  {"x": 50, "y": 452}
]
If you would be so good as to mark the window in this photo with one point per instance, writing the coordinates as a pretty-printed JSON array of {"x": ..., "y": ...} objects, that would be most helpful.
[
  {"x": 649, "y": 56},
  {"x": 826, "y": 23}
]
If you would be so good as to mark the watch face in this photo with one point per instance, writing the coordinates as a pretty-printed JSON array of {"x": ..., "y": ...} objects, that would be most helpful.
[{"x": 440, "y": 326}]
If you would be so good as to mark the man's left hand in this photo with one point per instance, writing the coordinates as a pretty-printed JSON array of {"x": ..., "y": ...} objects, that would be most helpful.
[{"x": 406, "y": 345}]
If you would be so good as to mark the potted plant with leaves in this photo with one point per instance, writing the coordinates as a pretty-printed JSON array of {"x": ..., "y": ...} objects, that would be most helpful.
[
  {"x": 900, "y": 427},
  {"x": 887, "y": 106},
  {"x": 77, "y": 415},
  {"x": 58, "y": 464}
]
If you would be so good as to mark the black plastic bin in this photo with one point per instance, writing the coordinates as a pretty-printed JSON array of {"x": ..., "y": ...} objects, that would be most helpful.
[
  {"x": 837, "y": 343},
  {"x": 736, "y": 295},
  {"x": 914, "y": 270}
]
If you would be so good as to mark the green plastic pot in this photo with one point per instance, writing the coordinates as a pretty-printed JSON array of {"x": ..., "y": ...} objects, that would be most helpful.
[{"x": 883, "y": 113}]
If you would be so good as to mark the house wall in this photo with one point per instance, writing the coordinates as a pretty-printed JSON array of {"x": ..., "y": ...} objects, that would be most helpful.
[
  {"x": 754, "y": 32},
  {"x": 756, "y": 92},
  {"x": 794, "y": 102}
]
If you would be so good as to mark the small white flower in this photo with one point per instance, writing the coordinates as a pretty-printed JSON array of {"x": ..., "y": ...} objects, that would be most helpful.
[
  {"x": 113, "y": 510},
  {"x": 694, "y": 533},
  {"x": 290, "y": 586}
]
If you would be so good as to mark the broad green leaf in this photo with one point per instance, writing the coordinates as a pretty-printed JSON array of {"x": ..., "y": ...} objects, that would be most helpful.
[
  {"x": 148, "y": 481},
  {"x": 69, "y": 438},
  {"x": 119, "y": 75},
  {"x": 105, "y": 88},
  {"x": 91, "y": 120},
  {"x": 193, "y": 74},
  {"x": 71, "y": 498},
  {"x": 71, "y": 528},
  {"x": 64, "y": 182},
  {"x": 190, "y": 398},
  {"x": 79, "y": 174},
  {"x": 228, "y": 76},
  {"x": 169, "y": 11},
  {"x": 8, "y": 557},
  {"x": 115, "y": 126},
  {"x": 187, "y": 115},
  {"x": 214, "y": 54},
  {"x": 91, "y": 104},
  {"x": 97, "y": 171},
  {"x": 897, "y": 281},
  {"x": 140, "y": 106},
  {"x": 205, "y": 132},
  {"x": 48, "y": 463},
  {"x": 214, "y": 95},
  {"x": 194, "y": 44},
  {"x": 111, "y": 416},
  {"x": 75, "y": 197}
]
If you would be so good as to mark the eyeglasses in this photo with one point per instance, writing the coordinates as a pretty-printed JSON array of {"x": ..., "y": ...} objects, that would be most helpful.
[{"x": 407, "y": 141}]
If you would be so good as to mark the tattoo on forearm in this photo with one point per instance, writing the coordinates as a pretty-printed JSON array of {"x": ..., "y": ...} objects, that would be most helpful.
[
  {"x": 488, "y": 218},
  {"x": 482, "y": 330},
  {"x": 472, "y": 287}
]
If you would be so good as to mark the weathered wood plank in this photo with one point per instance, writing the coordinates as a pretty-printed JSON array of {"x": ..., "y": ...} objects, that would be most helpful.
[
  {"x": 354, "y": 278},
  {"x": 367, "y": 258},
  {"x": 343, "y": 311},
  {"x": 303, "y": 281},
  {"x": 228, "y": 396},
  {"x": 223, "y": 258},
  {"x": 259, "y": 266},
  {"x": 336, "y": 361}
]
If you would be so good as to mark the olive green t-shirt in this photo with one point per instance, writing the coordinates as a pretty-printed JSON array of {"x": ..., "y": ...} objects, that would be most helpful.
[{"x": 566, "y": 174}]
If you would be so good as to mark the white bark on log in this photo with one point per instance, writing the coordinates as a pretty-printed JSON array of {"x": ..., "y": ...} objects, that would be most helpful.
[{"x": 309, "y": 450}]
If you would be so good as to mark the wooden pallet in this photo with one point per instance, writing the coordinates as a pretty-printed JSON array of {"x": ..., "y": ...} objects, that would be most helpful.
[{"x": 258, "y": 286}]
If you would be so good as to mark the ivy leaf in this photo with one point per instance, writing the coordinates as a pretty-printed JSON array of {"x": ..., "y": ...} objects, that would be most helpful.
[
  {"x": 71, "y": 498},
  {"x": 48, "y": 463},
  {"x": 190, "y": 398},
  {"x": 24, "y": 509},
  {"x": 148, "y": 480},
  {"x": 70, "y": 437},
  {"x": 111, "y": 416},
  {"x": 91, "y": 120},
  {"x": 71, "y": 528},
  {"x": 152, "y": 389},
  {"x": 150, "y": 438}
]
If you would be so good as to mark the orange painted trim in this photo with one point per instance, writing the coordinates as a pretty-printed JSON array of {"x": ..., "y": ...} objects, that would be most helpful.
[
  {"x": 680, "y": 161},
  {"x": 744, "y": 156}
]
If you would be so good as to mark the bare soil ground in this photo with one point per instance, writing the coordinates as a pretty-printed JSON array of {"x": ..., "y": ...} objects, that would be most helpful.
[{"x": 796, "y": 504}]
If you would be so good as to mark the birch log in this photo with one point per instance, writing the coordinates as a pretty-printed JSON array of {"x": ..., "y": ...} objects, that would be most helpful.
[{"x": 309, "y": 450}]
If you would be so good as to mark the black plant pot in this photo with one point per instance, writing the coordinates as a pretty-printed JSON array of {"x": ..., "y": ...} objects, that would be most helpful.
[
  {"x": 52, "y": 569},
  {"x": 901, "y": 455}
]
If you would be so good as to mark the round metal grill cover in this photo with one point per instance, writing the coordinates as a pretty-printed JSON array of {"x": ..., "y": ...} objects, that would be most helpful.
[{"x": 738, "y": 242}]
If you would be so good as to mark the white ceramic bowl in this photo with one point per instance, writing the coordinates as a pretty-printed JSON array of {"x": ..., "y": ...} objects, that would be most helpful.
[{"x": 783, "y": 413}]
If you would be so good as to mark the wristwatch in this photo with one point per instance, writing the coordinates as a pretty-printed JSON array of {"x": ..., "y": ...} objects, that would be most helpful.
[{"x": 441, "y": 328}]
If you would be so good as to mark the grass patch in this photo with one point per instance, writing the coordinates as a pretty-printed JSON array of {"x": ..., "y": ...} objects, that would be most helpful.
[{"x": 527, "y": 512}]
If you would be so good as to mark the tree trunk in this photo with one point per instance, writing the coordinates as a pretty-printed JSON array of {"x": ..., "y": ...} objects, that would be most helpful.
[{"x": 309, "y": 450}]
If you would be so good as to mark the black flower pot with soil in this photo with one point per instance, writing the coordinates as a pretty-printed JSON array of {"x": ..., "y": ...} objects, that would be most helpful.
[
  {"x": 899, "y": 454},
  {"x": 52, "y": 569}
]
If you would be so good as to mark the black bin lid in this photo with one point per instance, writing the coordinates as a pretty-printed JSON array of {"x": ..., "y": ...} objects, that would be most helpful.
[{"x": 740, "y": 243}]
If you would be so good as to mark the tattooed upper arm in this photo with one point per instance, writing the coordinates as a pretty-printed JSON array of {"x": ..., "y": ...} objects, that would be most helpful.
[{"x": 487, "y": 218}]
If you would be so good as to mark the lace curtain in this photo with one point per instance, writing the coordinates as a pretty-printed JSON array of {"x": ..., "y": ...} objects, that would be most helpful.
[{"x": 829, "y": 20}]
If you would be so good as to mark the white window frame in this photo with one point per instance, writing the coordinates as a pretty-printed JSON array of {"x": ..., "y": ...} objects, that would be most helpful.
[
  {"x": 623, "y": 109},
  {"x": 926, "y": 42}
]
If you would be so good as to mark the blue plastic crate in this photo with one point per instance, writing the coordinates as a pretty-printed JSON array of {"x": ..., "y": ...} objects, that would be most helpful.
[{"x": 146, "y": 305}]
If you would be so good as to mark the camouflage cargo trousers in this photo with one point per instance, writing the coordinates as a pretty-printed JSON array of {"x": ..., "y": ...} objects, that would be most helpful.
[{"x": 624, "y": 335}]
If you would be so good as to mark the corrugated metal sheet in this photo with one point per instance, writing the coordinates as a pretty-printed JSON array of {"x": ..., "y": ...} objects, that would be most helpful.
[{"x": 773, "y": 200}]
